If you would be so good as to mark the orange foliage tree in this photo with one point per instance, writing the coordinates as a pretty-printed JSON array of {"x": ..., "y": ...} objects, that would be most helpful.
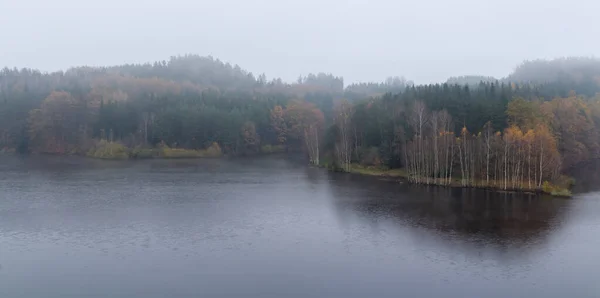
[
  {"x": 574, "y": 128},
  {"x": 304, "y": 122},
  {"x": 51, "y": 126}
]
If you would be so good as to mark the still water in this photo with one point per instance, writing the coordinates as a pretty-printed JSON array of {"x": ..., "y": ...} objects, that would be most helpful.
[{"x": 270, "y": 227}]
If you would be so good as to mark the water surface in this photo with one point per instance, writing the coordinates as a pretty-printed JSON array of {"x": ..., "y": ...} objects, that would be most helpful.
[{"x": 270, "y": 227}]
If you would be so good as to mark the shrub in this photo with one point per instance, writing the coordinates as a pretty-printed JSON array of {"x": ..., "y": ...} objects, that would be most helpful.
[
  {"x": 555, "y": 190},
  {"x": 370, "y": 157},
  {"x": 269, "y": 149},
  {"x": 108, "y": 150},
  {"x": 214, "y": 150},
  {"x": 143, "y": 153},
  {"x": 179, "y": 153}
]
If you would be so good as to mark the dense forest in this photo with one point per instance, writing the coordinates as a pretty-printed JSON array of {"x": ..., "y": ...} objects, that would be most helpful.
[{"x": 520, "y": 132}]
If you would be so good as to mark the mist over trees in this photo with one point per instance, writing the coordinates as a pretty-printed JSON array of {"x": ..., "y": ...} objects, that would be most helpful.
[
  {"x": 470, "y": 80},
  {"x": 390, "y": 85},
  {"x": 565, "y": 74},
  {"x": 569, "y": 68},
  {"x": 518, "y": 132},
  {"x": 187, "y": 101}
]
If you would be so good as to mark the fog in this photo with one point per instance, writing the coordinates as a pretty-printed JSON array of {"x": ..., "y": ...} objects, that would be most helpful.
[{"x": 426, "y": 41}]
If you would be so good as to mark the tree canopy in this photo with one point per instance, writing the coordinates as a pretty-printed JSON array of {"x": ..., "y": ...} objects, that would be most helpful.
[{"x": 540, "y": 119}]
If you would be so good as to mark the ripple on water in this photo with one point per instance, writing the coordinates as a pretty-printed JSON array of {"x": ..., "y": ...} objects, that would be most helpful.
[{"x": 221, "y": 227}]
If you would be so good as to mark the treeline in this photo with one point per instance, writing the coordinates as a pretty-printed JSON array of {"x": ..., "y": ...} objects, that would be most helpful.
[
  {"x": 518, "y": 132},
  {"x": 565, "y": 70},
  {"x": 470, "y": 80},
  {"x": 358, "y": 91},
  {"x": 560, "y": 76},
  {"x": 516, "y": 158},
  {"x": 188, "y": 102},
  {"x": 527, "y": 146}
]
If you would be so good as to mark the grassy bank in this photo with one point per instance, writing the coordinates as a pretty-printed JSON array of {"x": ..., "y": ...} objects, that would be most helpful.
[
  {"x": 272, "y": 149},
  {"x": 114, "y": 150},
  {"x": 103, "y": 149},
  {"x": 377, "y": 171},
  {"x": 560, "y": 189},
  {"x": 108, "y": 150}
]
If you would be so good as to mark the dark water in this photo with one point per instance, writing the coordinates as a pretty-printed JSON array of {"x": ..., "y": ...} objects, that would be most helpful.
[{"x": 273, "y": 228}]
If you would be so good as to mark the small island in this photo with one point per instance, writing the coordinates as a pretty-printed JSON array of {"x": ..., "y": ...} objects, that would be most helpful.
[{"x": 520, "y": 133}]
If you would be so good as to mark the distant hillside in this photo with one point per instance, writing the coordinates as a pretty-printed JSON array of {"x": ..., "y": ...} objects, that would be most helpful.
[
  {"x": 470, "y": 80},
  {"x": 207, "y": 73},
  {"x": 580, "y": 74},
  {"x": 391, "y": 85},
  {"x": 198, "y": 70},
  {"x": 556, "y": 77},
  {"x": 194, "y": 106},
  {"x": 543, "y": 71}
]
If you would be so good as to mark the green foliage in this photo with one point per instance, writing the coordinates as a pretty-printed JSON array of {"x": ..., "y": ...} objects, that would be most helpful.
[
  {"x": 523, "y": 113},
  {"x": 108, "y": 150},
  {"x": 470, "y": 80},
  {"x": 377, "y": 171},
  {"x": 271, "y": 149},
  {"x": 370, "y": 157},
  {"x": 203, "y": 107},
  {"x": 187, "y": 102},
  {"x": 112, "y": 150},
  {"x": 214, "y": 150},
  {"x": 555, "y": 190},
  {"x": 564, "y": 183},
  {"x": 329, "y": 163},
  {"x": 143, "y": 153},
  {"x": 179, "y": 153},
  {"x": 391, "y": 85}
]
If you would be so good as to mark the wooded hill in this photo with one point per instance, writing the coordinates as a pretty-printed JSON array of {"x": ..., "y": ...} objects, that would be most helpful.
[{"x": 516, "y": 132}]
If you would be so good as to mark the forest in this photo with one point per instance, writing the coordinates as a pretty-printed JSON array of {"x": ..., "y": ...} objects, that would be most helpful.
[{"x": 520, "y": 132}]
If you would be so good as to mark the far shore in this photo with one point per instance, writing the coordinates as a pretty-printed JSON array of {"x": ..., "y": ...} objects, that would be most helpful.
[{"x": 402, "y": 176}]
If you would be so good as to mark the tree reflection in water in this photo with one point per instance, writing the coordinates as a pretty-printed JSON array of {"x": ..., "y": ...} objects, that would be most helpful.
[{"x": 478, "y": 223}]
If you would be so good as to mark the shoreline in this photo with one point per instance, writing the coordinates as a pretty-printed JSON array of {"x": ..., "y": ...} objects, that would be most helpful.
[
  {"x": 130, "y": 157},
  {"x": 400, "y": 175}
]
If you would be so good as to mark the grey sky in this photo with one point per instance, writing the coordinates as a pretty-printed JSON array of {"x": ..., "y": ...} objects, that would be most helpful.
[{"x": 424, "y": 40}]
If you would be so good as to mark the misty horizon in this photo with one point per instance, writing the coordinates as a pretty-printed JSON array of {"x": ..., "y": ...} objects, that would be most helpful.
[
  {"x": 361, "y": 41},
  {"x": 313, "y": 148},
  {"x": 346, "y": 83}
]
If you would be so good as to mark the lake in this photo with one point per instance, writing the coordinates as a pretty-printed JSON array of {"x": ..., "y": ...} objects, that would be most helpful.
[{"x": 271, "y": 227}]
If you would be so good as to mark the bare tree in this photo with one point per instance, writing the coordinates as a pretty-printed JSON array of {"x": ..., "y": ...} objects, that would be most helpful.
[
  {"x": 311, "y": 139},
  {"x": 147, "y": 120},
  {"x": 435, "y": 133},
  {"x": 487, "y": 135},
  {"x": 418, "y": 119},
  {"x": 445, "y": 121},
  {"x": 344, "y": 137}
]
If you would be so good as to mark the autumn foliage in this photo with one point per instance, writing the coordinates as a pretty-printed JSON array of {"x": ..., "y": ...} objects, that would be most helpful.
[
  {"x": 523, "y": 132},
  {"x": 300, "y": 125}
]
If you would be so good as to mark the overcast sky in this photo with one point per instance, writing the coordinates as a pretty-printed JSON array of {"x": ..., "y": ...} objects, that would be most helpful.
[{"x": 424, "y": 40}]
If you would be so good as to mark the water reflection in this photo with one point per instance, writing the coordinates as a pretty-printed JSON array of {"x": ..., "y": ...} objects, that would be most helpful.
[
  {"x": 472, "y": 221},
  {"x": 586, "y": 176},
  {"x": 248, "y": 227}
]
